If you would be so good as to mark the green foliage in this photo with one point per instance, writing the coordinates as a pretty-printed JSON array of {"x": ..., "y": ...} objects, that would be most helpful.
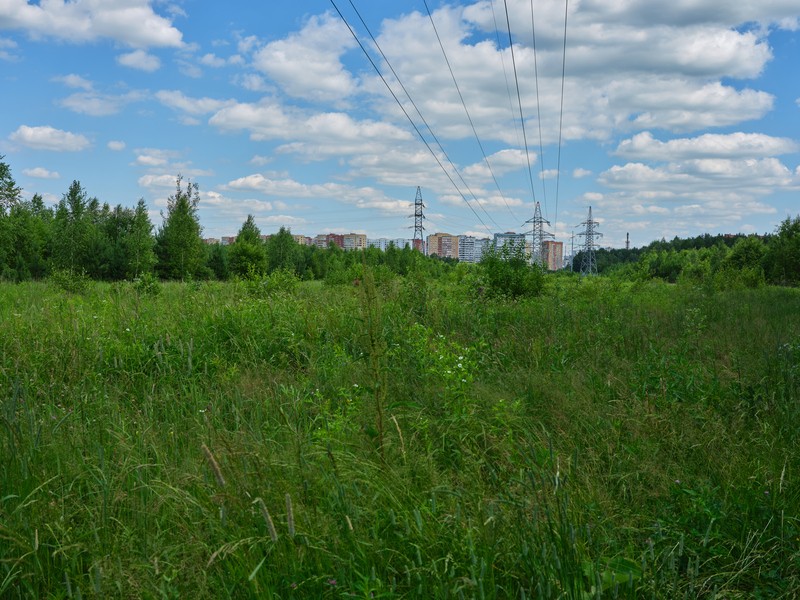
[
  {"x": 179, "y": 247},
  {"x": 782, "y": 257},
  {"x": 507, "y": 272},
  {"x": 9, "y": 191},
  {"x": 71, "y": 230},
  {"x": 278, "y": 282},
  {"x": 247, "y": 256},
  {"x": 283, "y": 252},
  {"x": 147, "y": 284},
  {"x": 217, "y": 261},
  {"x": 74, "y": 282},
  {"x": 138, "y": 243},
  {"x": 611, "y": 439}
]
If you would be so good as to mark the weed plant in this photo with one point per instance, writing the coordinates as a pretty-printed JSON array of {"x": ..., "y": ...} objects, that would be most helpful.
[{"x": 399, "y": 438}]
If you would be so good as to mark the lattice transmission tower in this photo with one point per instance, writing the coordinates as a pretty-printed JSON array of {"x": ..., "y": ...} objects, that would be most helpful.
[
  {"x": 540, "y": 234},
  {"x": 419, "y": 216},
  {"x": 590, "y": 234}
]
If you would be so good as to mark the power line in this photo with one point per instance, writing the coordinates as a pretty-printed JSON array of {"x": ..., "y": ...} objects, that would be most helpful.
[
  {"x": 538, "y": 107},
  {"x": 414, "y": 125},
  {"x": 519, "y": 100},
  {"x": 464, "y": 104},
  {"x": 505, "y": 73},
  {"x": 561, "y": 116}
]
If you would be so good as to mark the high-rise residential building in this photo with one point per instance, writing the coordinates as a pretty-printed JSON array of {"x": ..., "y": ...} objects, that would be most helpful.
[
  {"x": 443, "y": 245},
  {"x": 470, "y": 248},
  {"x": 510, "y": 239},
  {"x": 380, "y": 243},
  {"x": 401, "y": 243},
  {"x": 324, "y": 240},
  {"x": 354, "y": 241},
  {"x": 553, "y": 254},
  {"x": 227, "y": 240}
]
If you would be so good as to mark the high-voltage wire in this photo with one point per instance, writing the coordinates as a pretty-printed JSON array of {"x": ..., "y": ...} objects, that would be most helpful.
[
  {"x": 466, "y": 110},
  {"x": 519, "y": 100},
  {"x": 414, "y": 125},
  {"x": 561, "y": 116},
  {"x": 538, "y": 107},
  {"x": 505, "y": 73}
]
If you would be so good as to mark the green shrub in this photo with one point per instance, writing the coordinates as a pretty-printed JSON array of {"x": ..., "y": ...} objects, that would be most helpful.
[
  {"x": 147, "y": 284},
  {"x": 69, "y": 280},
  {"x": 508, "y": 272}
]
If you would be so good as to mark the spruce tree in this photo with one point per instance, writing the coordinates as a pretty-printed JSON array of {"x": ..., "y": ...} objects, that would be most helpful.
[
  {"x": 139, "y": 243},
  {"x": 248, "y": 255},
  {"x": 179, "y": 247},
  {"x": 9, "y": 191}
]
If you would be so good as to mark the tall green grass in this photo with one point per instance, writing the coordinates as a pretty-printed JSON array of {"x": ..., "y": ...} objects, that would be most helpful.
[{"x": 402, "y": 438}]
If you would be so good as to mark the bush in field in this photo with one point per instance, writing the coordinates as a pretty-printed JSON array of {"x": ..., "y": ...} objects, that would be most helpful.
[
  {"x": 281, "y": 281},
  {"x": 147, "y": 284},
  {"x": 507, "y": 272},
  {"x": 74, "y": 282}
]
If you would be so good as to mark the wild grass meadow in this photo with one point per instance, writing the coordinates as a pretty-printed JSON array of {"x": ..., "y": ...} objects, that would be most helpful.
[{"x": 401, "y": 438}]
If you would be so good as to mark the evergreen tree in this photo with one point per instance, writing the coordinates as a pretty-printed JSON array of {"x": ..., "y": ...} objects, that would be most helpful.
[
  {"x": 71, "y": 230},
  {"x": 9, "y": 196},
  {"x": 179, "y": 247},
  {"x": 139, "y": 243},
  {"x": 217, "y": 261},
  {"x": 247, "y": 255},
  {"x": 9, "y": 192}
]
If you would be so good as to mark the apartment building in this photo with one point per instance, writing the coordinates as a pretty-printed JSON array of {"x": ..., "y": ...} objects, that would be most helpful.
[
  {"x": 354, "y": 241},
  {"x": 470, "y": 248},
  {"x": 324, "y": 240},
  {"x": 510, "y": 239},
  {"x": 553, "y": 254},
  {"x": 443, "y": 245}
]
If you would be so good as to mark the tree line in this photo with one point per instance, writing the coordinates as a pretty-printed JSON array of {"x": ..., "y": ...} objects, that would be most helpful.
[
  {"x": 748, "y": 260},
  {"x": 81, "y": 235},
  {"x": 84, "y": 236}
]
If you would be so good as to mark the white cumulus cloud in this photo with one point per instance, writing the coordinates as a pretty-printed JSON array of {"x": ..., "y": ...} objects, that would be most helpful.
[
  {"x": 307, "y": 64},
  {"x": 645, "y": 146},
  {"x": 130, "y": 22},
  {"x": 140, "y": 60},
  {"x": 49, "y": 138},
  {"x": 41, "y": 173},
  {"x": 177, "y": 100}
]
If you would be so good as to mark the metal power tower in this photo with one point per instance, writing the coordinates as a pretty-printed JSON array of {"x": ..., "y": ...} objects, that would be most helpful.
[
  {"x": 588, "y": 262},
  {"x": 539, "y": 236},
  {"x": 419, "y": 217}
]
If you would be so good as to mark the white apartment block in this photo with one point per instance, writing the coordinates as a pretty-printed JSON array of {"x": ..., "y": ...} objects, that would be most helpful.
[{"x": 470, "y": 248}]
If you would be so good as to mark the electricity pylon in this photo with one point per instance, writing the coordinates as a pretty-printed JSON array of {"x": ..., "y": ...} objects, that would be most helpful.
[
  {"x": 539, "y": 236},
  {"x": 419, "y": 217},
  {"x": 588, "y": 262}
]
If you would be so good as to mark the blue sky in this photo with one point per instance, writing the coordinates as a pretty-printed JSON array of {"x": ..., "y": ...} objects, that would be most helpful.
[{"x": 678, "y": 119}]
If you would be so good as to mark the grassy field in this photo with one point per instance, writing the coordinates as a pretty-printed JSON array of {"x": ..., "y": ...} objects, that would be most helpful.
[{"x": 409, "y": 438}]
